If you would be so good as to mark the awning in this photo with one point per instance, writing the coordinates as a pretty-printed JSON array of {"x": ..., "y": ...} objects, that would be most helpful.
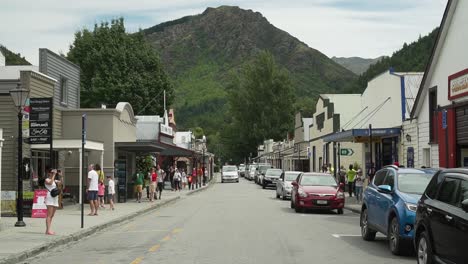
[
  {"x": 140, "y": 147},
  {"x": 163, "y": 149},
  {"x": 62, "y": 144},
  {"x": 361, "y": 135}
]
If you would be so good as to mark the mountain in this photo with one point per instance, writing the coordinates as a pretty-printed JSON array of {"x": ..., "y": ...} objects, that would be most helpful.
[
  {"x": 201, "y": 52},
  {"x": 411, "y": 57},
  {"x": 12, "y": 58},
  {"x": 357, "y": 65}
]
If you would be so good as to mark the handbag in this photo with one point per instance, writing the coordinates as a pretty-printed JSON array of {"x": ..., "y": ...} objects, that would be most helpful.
[{"x": 55, "y": 192}]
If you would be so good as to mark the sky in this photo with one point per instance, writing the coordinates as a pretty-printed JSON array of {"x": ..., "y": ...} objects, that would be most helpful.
[{"x": 342, "y": 28}]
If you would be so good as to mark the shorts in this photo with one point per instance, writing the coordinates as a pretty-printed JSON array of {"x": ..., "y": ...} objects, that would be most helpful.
[
  {"x": 92, "y": 195},
  {"x": 153, "y": 187},
  {"x": 139, "y": 188},
  {"x": 110, "y": 197},
  {"x": 101, "y": 196}
]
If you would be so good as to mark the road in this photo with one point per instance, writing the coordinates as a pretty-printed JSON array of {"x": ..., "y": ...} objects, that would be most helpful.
[{"x": 229, "y": 223}]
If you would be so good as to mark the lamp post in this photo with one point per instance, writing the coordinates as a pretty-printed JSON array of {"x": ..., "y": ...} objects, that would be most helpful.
[
  {"x": 203, "y": 157},
  {"x": 20, "y": 96}
]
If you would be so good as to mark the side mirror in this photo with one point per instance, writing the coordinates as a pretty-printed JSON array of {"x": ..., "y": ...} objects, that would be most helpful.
[
  {"x": 294, "y": 183},
  {"x": 385, "y": 188},
  {"x": 465, "y": 205}
]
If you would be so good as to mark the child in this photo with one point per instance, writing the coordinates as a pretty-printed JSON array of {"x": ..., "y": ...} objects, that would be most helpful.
[
  {"x": 101, "y": 188},
  {"x": 110, "y": 191}
]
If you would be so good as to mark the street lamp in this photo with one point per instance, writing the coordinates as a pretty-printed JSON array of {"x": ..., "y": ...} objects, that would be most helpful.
[
  {"x": 20, "y": 96},
  {"x": 203, "y": 156}
]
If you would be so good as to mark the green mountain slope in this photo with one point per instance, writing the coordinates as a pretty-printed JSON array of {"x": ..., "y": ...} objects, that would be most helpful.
[
  {"x": 357, "y": 65},
  {"x": 12, "y": 58},
  {"x": 410, "y": 58},
  {"x": 201, "y": 52}
]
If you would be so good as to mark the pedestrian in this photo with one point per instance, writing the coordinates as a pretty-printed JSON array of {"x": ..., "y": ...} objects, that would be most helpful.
[
  {"x": 189, "y": 181},
  {"x": 331, "y": 169},
  {"x": 110, "y": 191},
  {"x": 61, "y": 186},
  {"x": 358, "y": 185},
  {"x": 92, "y": 190},
  {"x": 153, "y": 182},
  {"x": 177, "y": 179},
  {"x": 147, "y": 184},
  {"x": 51, "y": 200},
  {"x": 139, "y": 178},
  {"x": 171, "y": 176},
  {"x": 199, "y": 177},
  {"x": 101, "y": 186},
  {"x": 184, "y": 179},
  {"x": 351, "y": 175},
  {"x": 342, "y": 174},
  {"x": 161, "y": 177},
  {"x": 371, "y": 172},
  {"x": 194, "y": 178},
  {"x": 205, "y": 177}
]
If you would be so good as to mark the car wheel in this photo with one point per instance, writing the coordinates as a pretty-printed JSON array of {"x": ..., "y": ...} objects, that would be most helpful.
[
  {"x": 263, "y": 186},
  {"x": 277, "y": 195},
  {"x": 297, "y": 209},
  {"x": 394, "y": 240},
  {"x": 340, "y": 211},
  {"x": 222, "y": 181},
  {"x": 366, "y": 232},
  {"x": 424, "y": 247}
]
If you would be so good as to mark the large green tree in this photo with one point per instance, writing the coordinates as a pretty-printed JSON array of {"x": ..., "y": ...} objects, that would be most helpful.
[
  {"x": 261, "y": 106},
  {"x": 119, "y": 67}
]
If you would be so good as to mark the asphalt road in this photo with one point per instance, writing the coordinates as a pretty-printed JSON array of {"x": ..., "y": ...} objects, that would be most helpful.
[{"x": 229, "y": 223}]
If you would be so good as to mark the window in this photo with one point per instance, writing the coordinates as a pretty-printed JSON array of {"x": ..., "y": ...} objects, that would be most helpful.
[
  {"x": 433, "y": 186},
  {"x": 427, "y": 157},
  {"x": 320, "y": 119},
  {"x": 433, "y": 115},
  {"x": 448, "y": 191},
  {"x": 380, "y": 177},
  {"x": 390, "y": 179},
  {"x": 463, "y": 191},
  {"x": 63, "y": 90}
]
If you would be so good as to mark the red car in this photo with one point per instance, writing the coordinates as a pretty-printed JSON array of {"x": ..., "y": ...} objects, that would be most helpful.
[{"x": 317, "y": 191}]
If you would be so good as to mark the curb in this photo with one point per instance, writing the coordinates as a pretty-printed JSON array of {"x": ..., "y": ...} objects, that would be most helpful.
[
  {"x": 352, "y": 209},
  {"x": 18, "y": 257}
]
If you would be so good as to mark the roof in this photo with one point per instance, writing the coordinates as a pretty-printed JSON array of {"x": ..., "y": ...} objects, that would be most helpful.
[
  {"x": 448, "y": 14},
  {"x": 13, "y": 72}
]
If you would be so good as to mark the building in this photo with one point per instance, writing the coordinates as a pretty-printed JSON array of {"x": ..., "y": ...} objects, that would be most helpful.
[{"x": 441, "y": 107}]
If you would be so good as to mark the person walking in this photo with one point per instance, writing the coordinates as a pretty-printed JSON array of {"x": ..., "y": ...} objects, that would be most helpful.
[
  {"x": 92, "y": 190},
  {"x": 110, "y": 191},
  {"x": 139, "y": 178},
  {"x": 358, "y": 185},
  {"x": 51, "y": 202},
  {"x": 189, "y": 181},
  {"x": 351, "y": 174},
  {"x": 171, "y": 176},
  {"x": 101, "y": 186},
  {"x": 184, "y": 179},
  {"x": 153, "y": 182},
  {"x": 161, "y": 178},
  {"x": 371, "y": 172},
  {"x": 177, "y": 179},
  {"x": 147, "y": 184},
  {"x": 199, "y": 177}
]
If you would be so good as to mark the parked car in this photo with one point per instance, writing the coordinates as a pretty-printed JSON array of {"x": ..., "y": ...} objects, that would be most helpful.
[
  {"x": 246, "y": 171},
  {"x": 261, "y": 170},
  {"x": 442, "y": 219},
  {"x": 270, "y": 177},
  {"x": 284, "y": 186},
  {"x": 252, "y": 171},
  {"x": 389, "y": 206},
  {"x": 229, "y": 173},
  {"x": 242, "y": 170},
  {"x": 317, "y": 191}
]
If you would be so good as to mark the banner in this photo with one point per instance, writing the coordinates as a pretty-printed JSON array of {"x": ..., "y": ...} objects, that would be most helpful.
[{"x": 39, "y": 209}]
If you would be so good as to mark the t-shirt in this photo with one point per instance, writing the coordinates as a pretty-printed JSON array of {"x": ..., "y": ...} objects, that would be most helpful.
[
  {"x": 161, "y": 176},
  {"x": 154, "y": 176},
  {"x": 93, "y": 183},
  {"x": 351, "y": 175},
  {"x": 111, "y": 188},
  {"x": 139, "y": 179},
  {"x": 359, "y": 180}
]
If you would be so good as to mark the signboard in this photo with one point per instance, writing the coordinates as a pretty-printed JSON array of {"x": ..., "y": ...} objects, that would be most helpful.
[
  {"x": 8, "y": 204},
  {"x": 444, "y": 119},
  {"x": 458, "y": 85},
  {"x": 346, "y": 152},
  {"x": 40, "y": 121},
  {"x": 39, "y": 209},
  {"x": 410, "y": 157}
]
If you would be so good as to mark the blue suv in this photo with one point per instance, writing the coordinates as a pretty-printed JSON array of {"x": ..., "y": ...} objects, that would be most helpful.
[{"x": 390, "y": 203}]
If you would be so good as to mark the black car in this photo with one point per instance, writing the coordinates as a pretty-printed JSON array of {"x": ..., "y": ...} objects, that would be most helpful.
[{"x": 442, "y": 219}]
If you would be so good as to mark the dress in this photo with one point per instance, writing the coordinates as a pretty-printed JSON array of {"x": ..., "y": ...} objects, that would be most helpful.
[{"x": 49, "y": 200}]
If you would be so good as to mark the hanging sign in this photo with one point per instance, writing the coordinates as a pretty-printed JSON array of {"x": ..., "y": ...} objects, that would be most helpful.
[{"x": 40, "y": 120}]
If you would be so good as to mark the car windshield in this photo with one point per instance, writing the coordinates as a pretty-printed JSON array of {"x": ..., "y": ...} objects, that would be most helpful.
[
  {"x": 274, "y": 172},
  {"x": 318, "y": 180},
  {"x": 290, "y": 176},
  {"x": 264, "y": 167},
  {"x": 229, "y": 168},
  {"x": 414, "y": 183}
]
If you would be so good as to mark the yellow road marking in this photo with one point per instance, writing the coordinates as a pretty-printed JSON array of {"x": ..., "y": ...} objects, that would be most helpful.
[
  {"x": 154, "y": 248},
  {"x": 166, "y": 238},
  {"x": 137, "y": 260},
  {"x": 176, "y": 230}
]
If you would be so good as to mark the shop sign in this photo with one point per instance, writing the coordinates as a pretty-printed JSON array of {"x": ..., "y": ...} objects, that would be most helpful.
[
  {"x": 40, "y": 121},
  {"x": 39, "y": 209},
  {"x": 8, "y": 205},
  {"x": 346, "y": 152},
  {"x": 458, "y": 85}
]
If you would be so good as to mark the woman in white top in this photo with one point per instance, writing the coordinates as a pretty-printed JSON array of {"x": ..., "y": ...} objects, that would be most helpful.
[
  {"x": 177, "y": 179},
  {"x": 184, "y": 179},
  {"x": 111, "y": 191},
  {"x": 51, "y": 202}
]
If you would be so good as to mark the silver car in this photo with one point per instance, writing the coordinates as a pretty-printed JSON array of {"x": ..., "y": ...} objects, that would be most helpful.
[
  {"x": 229, "y": 173},
  {"x": 283, "y": 186}
]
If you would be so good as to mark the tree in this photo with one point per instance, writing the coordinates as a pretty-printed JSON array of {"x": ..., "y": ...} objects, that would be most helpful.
[
  {"x": 119, "y": 67},
  {"x": 261, "y": 106}
]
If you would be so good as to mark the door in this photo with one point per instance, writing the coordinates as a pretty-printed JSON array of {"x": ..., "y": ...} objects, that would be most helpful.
[
  {"x": 385, "y": 201},
  {"x": 459, "y": 225},
  {"x": 371, "y": 197},
  {"x": 280, "y": 184},
  {"x": 441, "y": 219},
  {"x": 387, "y": 151}
]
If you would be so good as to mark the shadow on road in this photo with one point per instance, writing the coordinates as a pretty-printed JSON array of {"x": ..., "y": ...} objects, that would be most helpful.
[{"x": 378, "y": 248}]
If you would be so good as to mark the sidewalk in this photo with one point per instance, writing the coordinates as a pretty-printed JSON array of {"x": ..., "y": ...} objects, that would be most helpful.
[
  {"x": 351, "y": 204},
  {"x": 19, "y": 243}
]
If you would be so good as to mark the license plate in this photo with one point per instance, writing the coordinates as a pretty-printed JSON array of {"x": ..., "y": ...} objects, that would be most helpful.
[{"x": 322, "y": 202}]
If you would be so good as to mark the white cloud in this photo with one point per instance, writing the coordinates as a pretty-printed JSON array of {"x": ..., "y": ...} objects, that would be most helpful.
[{"x": 367, "y": 28}]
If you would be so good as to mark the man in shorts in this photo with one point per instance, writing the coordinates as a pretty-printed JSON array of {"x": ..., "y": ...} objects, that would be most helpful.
[
  {"x": 92, "y": 190},
  {"x": 139, "y": 178}
]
